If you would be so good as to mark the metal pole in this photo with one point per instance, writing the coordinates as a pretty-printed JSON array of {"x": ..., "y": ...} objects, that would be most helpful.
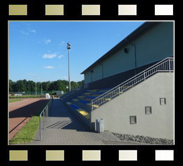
[
  {"x": 43, "y": 119},
  {"x": 40, "y": 128},
  {"x": 92, "y": 104},
  {"x": 68, "y": 47},
  {"x": 169, "y": 65},
  {"x": 47, "y": 111},
  {"x": 69, "y": 69},
  {"x": 41, "y": 88},
  {"x": 35, "y": 85}
]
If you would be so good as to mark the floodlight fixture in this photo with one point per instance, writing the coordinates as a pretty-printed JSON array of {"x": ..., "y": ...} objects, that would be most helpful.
[{"x": 68, "y": 46}]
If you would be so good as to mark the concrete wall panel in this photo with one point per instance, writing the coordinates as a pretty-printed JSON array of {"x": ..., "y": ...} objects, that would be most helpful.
[{"x": 159, "y": 124}]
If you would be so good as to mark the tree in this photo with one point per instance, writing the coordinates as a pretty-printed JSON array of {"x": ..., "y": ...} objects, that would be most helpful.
[
  {"x": 81, "y": 83},
  {"x": 38, "y": 85},
  {"x": 25, "y": 84},
  {"x": 46, "y": 85},
  {"x": 64, "y": 85},
  {"x": 52, "y": 86},
  {"x": 11, "y": 83},
  {"x": 30, "y": 85},
  {"x": 74, "y": 85},
  {"x": 59, "y": 85},
  {"x": 14, "y": 87},
  {"x": 21, "y": 87}
]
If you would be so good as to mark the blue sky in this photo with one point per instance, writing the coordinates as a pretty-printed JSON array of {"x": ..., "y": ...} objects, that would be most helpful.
[{"x": 40, "y": 47}]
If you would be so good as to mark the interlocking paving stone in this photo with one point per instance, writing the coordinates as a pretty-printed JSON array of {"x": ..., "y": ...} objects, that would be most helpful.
[{"x": 63, "y": 128}]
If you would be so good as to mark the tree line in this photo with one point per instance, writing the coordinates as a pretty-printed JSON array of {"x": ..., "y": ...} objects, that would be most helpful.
[{"x": 59, "y": 85}]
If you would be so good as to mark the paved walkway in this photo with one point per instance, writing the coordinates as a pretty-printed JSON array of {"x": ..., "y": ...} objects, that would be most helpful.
[{"x": 63, "y": 128}]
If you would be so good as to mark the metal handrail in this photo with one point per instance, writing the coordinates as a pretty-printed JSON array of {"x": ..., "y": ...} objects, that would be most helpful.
[
  {"x": 163, "y": 65},
  {"x": 44, "y": 112}
]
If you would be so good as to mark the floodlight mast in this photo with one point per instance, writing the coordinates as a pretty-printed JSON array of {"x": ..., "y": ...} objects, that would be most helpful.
[
  {"x": 35, "y": 85},
  {"x": 69, "y": 47}
]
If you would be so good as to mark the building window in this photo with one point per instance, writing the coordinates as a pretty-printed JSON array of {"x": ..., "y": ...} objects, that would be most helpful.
[
  {"x": 148, "y": 110},
  {"x": 162, "y": 101},
  {"x": 126, "y": 50},
  {"x": 133, "y": 119}
]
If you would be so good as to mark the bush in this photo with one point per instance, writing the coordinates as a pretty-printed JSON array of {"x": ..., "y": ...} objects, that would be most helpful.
[{"x": 52, "y": 93}]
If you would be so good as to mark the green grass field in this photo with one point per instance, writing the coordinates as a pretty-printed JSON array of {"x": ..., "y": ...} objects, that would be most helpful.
[
  {"x": 28, "y": 132},
  {"x": 14, "y": 100}
]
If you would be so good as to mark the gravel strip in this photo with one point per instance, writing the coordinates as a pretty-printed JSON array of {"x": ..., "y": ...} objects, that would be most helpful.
[{"x": 143, "y": 139}]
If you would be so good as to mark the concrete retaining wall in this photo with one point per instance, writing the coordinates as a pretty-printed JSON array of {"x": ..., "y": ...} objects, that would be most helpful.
[{"x": 159, "y": 124}]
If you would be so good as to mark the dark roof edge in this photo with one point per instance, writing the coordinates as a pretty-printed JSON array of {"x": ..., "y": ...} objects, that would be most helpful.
[{"x": 132, "y": 36}]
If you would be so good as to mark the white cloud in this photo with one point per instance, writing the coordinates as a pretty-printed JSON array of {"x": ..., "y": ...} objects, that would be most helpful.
[
  {"x": 32, "y": 30},
  {"x": 50, "y": 56},
  {"x": 28, "y": 30},
  {"x": 48, "y": 67},
  {"x": 60, "y": 56},
  {"x": 24, "y": 33},
  {"x": 62, "y": 43},
  {"x": 46, "y": 41}
]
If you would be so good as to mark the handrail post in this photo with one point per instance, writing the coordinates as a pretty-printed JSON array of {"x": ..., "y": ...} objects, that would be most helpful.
[
  {"x": 43, "y": 119},
  {"x": 40, "y": 128},
  {"x": 169, "y": 65},
  {"x": 47, "y": 112},
  {"x": 92, "y": 105},
  {"x": 44, "y": 113},
  {"x": 144, "y": 75}
]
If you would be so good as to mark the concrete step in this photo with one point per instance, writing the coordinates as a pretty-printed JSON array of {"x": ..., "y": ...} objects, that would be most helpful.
[
  {"x": 83, "y": 105},
  {"x": 104, "y": 89},
  {"x": 81, "y": 97},
  {"x": 92, "y": 90},
  {"x": 81, "y": 114},
  {"x": 80, "y": 110},
  {"x": 86, "y": 93},
  {"x": 94, "y": 105}
]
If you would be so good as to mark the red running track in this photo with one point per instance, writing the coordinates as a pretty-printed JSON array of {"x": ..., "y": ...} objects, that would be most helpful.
[{"x": 20, "y": 113}]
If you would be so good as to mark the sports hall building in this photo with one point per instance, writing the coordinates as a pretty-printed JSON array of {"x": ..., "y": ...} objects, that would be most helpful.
[
  {"x": 129, "y": 90},
  {"x": 148, "y": 44}
]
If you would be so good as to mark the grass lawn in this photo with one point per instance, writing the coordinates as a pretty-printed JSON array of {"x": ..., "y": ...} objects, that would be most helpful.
[
  {"x": 14, "y": 100},
  {"x": 28, "y": 132}
]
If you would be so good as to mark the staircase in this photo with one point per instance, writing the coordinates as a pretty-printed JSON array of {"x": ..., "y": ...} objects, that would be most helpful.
[
  {"x": 165, "y": 65},
  {"x": 82, "y": 103}
]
